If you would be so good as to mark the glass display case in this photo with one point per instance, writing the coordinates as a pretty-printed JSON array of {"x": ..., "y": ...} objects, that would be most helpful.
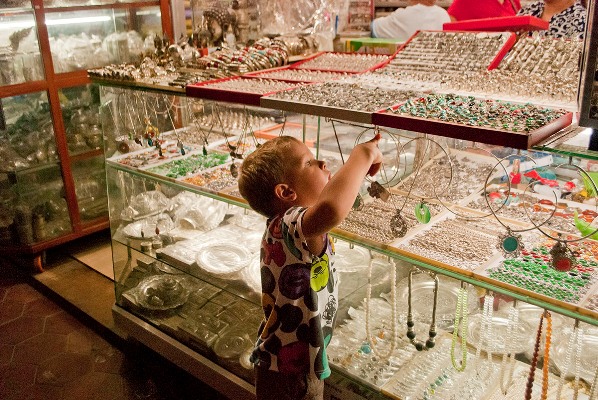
[
  {"x": 49, "y": 123},
  {"x": 480, "y": 241}
]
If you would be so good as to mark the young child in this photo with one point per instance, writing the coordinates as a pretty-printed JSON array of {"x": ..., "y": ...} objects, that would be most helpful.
[{"x": 302, "y": 201}]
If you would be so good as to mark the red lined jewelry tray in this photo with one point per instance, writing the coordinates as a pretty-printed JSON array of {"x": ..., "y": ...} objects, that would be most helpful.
[
  {"x": 516, "y": 23},
  {"x": 500, "y": 54},
  {"x": 213, "y": 90},
  {"x": 307, "y": 63},
  {"x": 264, "y": 74},
  {"x": 488, "y": 135}
]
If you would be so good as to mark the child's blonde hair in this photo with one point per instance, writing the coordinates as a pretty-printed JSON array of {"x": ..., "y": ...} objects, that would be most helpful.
[{"x": 262, "y": 170}]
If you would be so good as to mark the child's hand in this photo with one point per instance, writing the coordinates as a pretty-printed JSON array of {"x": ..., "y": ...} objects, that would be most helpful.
[{"x": 372, "y": 146}]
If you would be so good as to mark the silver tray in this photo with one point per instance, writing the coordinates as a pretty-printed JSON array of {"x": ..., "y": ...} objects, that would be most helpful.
[
  {"x": 161, "y": 292},
  {"x": 222, "y": 258},
  {"x": 520, "y": 340}
]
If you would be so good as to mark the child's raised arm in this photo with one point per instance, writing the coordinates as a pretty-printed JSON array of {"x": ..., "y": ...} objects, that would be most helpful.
[{"x": 339, "y": 194}]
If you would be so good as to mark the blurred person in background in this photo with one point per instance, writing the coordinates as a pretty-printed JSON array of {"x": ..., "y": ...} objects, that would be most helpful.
[
  {"x": 566, "y": 18},
  {"x": 404, "y": 22}
]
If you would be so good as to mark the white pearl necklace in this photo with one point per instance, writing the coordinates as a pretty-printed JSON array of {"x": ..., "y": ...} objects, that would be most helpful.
[
  {"x": 486, "y": 333},
  {"x": 393, "y": 301},
  {"x": 460, "y": 327},
  {"x": 594, "y": 390},
  {"x": 512, "y": 324},
  {"x": 566, "y": 366}
]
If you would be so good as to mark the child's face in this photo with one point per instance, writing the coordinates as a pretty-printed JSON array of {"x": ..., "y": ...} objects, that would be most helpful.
[{"x": 307, "y": 176}]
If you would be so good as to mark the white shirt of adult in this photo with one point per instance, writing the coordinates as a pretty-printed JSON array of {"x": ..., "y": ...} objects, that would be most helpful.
[{"x": 404, "y": 22}]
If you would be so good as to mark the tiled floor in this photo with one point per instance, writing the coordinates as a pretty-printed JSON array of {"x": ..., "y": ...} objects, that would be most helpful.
[{"x": 49, "y": 351}]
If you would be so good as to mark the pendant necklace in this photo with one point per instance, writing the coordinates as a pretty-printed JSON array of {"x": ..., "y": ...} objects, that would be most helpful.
[
  {"x": 371, "y": 340},
  {"x": 460, "y": 329},
  {"x": 563, "y": 258},
  {"x": 430, "y": 343},
  {"x": 511, "y": 243}
]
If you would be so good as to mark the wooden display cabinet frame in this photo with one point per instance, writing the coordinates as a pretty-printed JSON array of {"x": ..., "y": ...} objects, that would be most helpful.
[{"x": 34, "y": 254}]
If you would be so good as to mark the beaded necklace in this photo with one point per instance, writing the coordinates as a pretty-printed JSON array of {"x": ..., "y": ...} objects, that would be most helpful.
[
  {"x": 486, "y": 333},
  {"x": 512, "y": 324},
  {"x": 460, "y": 321},
  {"x": 575, "y": 341},
  {"x": 419, "y": 345},
  {"x": 530, "y": 379},
  {"x": 594, "y": 390},
  {"x": 393, "y": 300},
  {"x": 546, "y": 361}
]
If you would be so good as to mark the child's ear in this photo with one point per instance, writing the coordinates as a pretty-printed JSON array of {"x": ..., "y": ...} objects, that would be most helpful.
[{"x": 284, "y": 192}]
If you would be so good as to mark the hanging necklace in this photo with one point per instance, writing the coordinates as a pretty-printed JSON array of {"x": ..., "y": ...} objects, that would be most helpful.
[
  {"x": 486, "y": 333},
  {"x": 238, "y": 150},
  {"x": 430, "y": 343},
  {"x": 563, "y": 258},
  {"x": 574, "y": 344},
  {"x": 393, "y": 299},
  {"x": 509, "y": 356},
  {"x": 510, "y": 243},
  {"x": 530, "y": 379},
  {"x": 421, "y": 210},
  {"x": 358, "y": 203},
  {"x": 378, "y": 188},
  {"x": 460, "y": 321},
  {"x": 546, "y": 361}
]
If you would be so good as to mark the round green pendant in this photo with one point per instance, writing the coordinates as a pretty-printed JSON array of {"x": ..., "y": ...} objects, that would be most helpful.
[
  {"x": 422, "y": 213},
  {"x": 510, "y": 244}
]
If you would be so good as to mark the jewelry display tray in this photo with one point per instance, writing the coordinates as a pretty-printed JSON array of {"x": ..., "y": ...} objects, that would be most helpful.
[
  {"x": 203, "y": 90},
  {"x": 263, "y": 74},
  {"x": 516, "y": 140},
  {"x": 301, "y": 64},
  {"x": 502, "y": 51}
]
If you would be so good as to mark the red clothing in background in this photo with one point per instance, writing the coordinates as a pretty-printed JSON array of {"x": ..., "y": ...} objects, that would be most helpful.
[{"x": 476, "y": 9}]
